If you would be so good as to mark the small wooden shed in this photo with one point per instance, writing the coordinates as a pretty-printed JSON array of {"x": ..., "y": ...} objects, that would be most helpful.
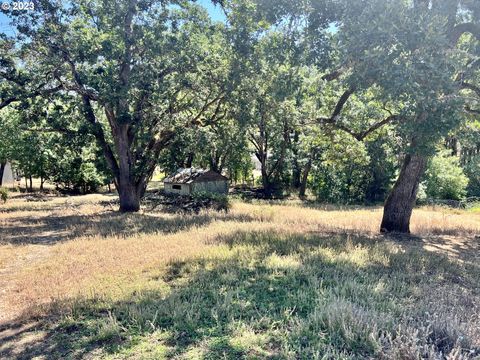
[{"x": 191, "y": 180}]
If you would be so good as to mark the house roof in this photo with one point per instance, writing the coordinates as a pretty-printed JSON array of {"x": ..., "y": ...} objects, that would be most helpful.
[{"x": 190, "y": 175}]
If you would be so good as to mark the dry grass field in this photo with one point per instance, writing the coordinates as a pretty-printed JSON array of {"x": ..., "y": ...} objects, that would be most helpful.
[{"x": 283, "y": 280}]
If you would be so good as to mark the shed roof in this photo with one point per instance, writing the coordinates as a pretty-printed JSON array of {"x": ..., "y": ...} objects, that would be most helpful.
[{"x": 190, "y": 175}]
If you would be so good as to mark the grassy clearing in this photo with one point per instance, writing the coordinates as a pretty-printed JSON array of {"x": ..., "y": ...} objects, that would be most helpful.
[
  {"x": 474, "y": 208},
  {"x": 278, "y": 280}
]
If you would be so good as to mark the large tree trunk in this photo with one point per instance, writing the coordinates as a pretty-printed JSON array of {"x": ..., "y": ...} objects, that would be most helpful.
[
  {"x": 129, "y": 198},
  {"x": 3, "y": 165},
  {"x": 127, "y": 187},
  {"x": 266, "y": 183},
  {"x": 296, "y": 176},
  {"x": 399, "y": 205},
  {"x": 304, "y": 180}
]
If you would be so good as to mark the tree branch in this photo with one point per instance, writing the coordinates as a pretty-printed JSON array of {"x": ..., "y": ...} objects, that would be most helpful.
[
  {"x": 469, "y": 110},
  {"x": 464, "y": 28},
  {"x": 375, "y": 127},
  {"x": 474, "y": 88},
  {"x": 97, "y": 131},
  {"x": 338, "y": 108},
  {"x": 38, "y": 92},
  {"x": 333, "y": 75},
  {"x": 332, "y": 120},
  {"x": 205, "y": 107}
]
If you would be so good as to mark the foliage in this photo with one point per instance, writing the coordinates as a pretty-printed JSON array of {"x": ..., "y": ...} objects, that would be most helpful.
[
  {"x": 8, "y": 135},
  {"x": 474, "y": 207},
  {"x": 383, "y": 166},
  {"x": 269, "y": 106},
  {"x": 466, "y": 142},
  {"x": 79, "y": 169},
  {"x": 445, "y": 178},
  {"x": 3, "y": 194},
  {"x": 53, "y": 147},
  {"x": 221, "y": 147},
  {"x": 472, "y": 171},
  {"x": 347, "y": 171},
  {"x": 220, "y": 201},
  {"x": 341, "y": 175},
  {"x": 138, "y": 72}
]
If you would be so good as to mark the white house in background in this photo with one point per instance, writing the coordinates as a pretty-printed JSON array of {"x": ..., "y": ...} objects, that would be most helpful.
[{"x": 8, "y": 179}]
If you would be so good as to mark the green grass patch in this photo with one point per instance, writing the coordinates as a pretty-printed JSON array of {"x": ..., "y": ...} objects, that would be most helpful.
[{"x": 272, "y": 296}]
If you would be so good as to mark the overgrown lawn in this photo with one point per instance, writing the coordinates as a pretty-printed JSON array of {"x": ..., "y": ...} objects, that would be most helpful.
[{"x": 264, "y": 281}]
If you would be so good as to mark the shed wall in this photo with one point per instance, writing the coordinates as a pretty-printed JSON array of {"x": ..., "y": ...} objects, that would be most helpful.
[
  {"x": 185, "y": 189},
  {"x": 216, "y": 187}
]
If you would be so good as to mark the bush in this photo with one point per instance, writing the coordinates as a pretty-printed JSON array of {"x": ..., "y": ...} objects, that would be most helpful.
[
  {"x": 217, "y": 201},
  {"x": 342, "y": 174},
  {"x": 422, "y": 196},
  {"x": 194, "y": 203},
  {"x": 472, "y": 170},
  {"x": 445, "y": 178},
  {"x": 3, "y": 194}
]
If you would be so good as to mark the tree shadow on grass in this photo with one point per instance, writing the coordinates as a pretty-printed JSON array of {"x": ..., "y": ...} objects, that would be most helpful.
[
  {"x": 273, "y": 295},
  {"x": 39, "y": 202},
  {"x": 466, "y": 248},
  {"x": 54, "y": 228},
  {"x": 46, "y": 342}
]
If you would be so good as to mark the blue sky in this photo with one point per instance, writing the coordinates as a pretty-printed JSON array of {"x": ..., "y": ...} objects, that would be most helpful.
[
  {"x": 4, "y": 27},
  {"x": 215, "y": 12}
]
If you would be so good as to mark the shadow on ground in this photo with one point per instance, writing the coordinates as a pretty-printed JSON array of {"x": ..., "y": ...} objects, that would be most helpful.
[
  {"x": 54, "y": 228},
  {"x": 278, "y": 296},
  {"x": 466, "y": 249}
]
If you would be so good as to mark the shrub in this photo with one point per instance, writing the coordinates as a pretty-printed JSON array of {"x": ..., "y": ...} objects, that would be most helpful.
[
  {"x": 217, "y": 201},
  {"x": 472, "y": 170},
  {"x": 422, "y": 196},
  {"x": 3, "y": 194},
  {"x": 342, "y": 174},
  {"x": 445, "y": 178}
]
